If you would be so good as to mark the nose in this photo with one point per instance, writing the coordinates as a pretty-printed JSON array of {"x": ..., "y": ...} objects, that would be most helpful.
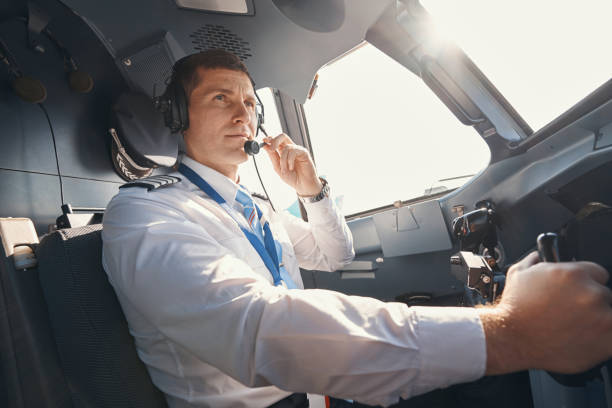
[{"x": 242, "y": 114}]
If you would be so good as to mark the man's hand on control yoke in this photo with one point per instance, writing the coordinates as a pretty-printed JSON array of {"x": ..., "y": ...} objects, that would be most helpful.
[
  {"x": 293, "y": 164},
  {"x": 552, "y": 316}
]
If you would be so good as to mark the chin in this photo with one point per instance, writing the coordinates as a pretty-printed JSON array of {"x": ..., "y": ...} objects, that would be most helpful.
[{"x": 238, "y": 156}]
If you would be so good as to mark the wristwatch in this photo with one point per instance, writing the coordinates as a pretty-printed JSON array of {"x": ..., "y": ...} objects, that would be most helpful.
[{"x": 322, "y": 194}]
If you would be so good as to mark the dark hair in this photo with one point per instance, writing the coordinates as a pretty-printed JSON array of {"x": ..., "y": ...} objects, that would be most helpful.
[{"x": 185, "y": 70}]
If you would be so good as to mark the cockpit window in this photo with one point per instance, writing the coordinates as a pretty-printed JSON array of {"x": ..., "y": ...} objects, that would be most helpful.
[
  {"x": 380, "y": 135},
  {"x": 543, "y": 56}
]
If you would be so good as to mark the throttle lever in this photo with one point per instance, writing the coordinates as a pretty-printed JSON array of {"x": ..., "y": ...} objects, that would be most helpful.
[{"x": 548, "y": 247}]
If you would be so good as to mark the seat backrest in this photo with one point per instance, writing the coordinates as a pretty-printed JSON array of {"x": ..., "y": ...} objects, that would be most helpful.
[
  {"x": 97, "y": 353},
  {"x": 30, "y": 371}
]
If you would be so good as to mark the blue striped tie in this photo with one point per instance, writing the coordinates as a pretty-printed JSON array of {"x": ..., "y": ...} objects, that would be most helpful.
[{"x": 250, "y": 213}]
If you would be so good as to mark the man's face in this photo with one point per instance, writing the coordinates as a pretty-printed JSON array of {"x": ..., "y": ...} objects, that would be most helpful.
[{"x": 222, "y": 116}]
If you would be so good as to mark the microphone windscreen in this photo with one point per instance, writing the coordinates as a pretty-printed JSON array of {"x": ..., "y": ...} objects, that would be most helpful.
[
  {"x": 80, "y": 81},
  {"x": 30, "y": 89},
  {"x": 251, "y": 147}
]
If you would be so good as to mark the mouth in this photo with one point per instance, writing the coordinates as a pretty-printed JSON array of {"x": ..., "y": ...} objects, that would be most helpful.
[{"x": 238, "y": 136}]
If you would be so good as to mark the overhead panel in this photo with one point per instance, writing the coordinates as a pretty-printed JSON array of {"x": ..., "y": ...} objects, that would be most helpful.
[
  {"x": 323, "y": 16},
  {"x": 283, "y": 43},
  {"x": 148, "y": 65},
  {"x": 243, "y": 7},
  {"x": 211, "y": 36}
]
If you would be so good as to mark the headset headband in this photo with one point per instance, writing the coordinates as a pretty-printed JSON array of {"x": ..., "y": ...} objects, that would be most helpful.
[{"x": 174, "y": 103}]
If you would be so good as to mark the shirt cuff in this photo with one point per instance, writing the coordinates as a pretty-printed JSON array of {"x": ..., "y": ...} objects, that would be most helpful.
[
  {"x": 452, "y": 346},
  {"x": 321, "y": 211}
]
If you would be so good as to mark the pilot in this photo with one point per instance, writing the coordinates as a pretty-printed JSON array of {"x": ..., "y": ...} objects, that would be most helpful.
[{"x": 208, "y": 277}]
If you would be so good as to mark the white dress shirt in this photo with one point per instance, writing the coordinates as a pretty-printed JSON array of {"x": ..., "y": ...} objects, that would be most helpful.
[{"x": 214, "y": 331}]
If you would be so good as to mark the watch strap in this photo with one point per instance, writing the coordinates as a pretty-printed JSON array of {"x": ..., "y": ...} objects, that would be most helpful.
[{"x": 322, "y": 194}]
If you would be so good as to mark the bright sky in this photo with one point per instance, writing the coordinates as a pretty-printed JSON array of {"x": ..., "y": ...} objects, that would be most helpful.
[
  {"x": 542, "y": 55},
  {"x": 380, "y": 135}
]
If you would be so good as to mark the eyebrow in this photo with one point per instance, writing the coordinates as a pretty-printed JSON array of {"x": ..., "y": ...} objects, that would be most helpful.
[
  {"x": 221, "y": 90},
  {"x": 226, "y": 91}
]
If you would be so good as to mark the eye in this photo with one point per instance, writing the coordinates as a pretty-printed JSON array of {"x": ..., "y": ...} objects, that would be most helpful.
[
  {"x": 220, "y": 97},
  {"x": 250, "y": 104}
]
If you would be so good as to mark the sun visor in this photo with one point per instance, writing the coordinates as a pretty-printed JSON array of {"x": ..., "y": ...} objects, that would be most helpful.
[{"x": 142, "y": 131}]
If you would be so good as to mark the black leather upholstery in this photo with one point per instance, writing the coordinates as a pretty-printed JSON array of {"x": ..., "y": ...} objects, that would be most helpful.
[{"x": 96, "y": 351}]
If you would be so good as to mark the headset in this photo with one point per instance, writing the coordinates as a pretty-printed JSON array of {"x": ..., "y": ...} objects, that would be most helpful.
[
  {"x": 79, "y": 81},
  {"x": 173, "y": 103},
  {"x": 31, "y": 89},
  {"x": 37, "y": 22},
  {"x": 27, "y": 88}
]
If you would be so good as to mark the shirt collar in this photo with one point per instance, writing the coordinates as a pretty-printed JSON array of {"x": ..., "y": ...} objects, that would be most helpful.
[{"x": 222, "y": 184}]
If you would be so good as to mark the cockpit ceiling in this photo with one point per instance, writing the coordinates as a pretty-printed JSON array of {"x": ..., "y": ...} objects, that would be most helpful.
[{"x": 283, "y": 44}]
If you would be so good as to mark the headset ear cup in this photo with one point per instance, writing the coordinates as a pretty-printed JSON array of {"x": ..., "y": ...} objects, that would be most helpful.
[
  {"x": 168, "y": 117},
  {"x": 175, "y": 116},
  {"x": 260, "y": 112},
  {"x": 173, "y": 104},
  {"x": 182, "y": 107},
  {"x": 29, "y": 89},
  {"x": 80, "y": 81}
]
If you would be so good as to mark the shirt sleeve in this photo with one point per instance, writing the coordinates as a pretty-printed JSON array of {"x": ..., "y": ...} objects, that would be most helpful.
[
  {"x": 207, "y": 300},
  {"x": 324, "y": 243}
]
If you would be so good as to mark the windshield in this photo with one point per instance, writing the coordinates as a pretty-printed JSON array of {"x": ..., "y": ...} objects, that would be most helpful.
[
  {"x": 543, "y": 56},
  {"x": 379, "y": 134}
]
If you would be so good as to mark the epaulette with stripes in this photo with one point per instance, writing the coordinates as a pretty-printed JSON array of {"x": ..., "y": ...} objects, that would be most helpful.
[{"x": 153, "y": 182}]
